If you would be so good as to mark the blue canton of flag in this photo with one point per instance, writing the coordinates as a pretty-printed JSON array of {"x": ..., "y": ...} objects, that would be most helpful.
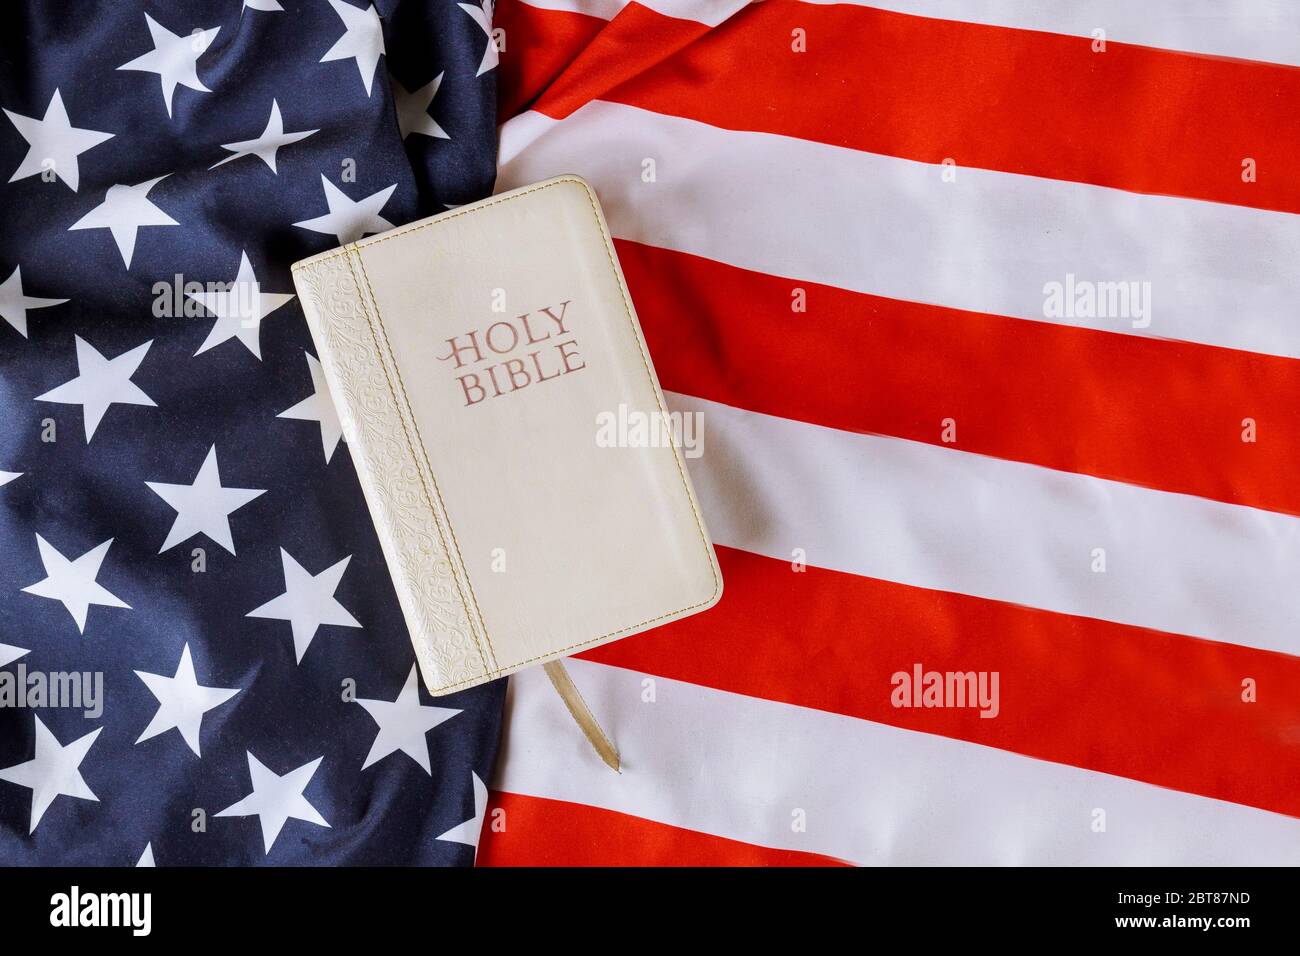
[{"x": 202, "y": 659}]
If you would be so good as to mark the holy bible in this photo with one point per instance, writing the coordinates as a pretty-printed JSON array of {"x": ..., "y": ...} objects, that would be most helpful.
[{"x": 472, "y": 357}]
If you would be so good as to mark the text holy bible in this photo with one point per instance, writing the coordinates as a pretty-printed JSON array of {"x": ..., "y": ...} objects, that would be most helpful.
[{"x": 471, "y": 358}]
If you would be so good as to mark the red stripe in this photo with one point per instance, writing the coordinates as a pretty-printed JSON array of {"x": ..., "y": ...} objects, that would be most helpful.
[
  {"x": 1151, "y": 706},
  {"x": 539, "y": 46},
  {"x": 1133, "y": 118},
  {"x": 553, "y": 49},
  {"x": 1151, "y": 412},
  {"x": 543, "y": 832}
]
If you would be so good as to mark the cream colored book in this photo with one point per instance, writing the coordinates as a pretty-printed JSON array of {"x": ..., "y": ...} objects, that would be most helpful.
[{"x": 478, "y": 361}]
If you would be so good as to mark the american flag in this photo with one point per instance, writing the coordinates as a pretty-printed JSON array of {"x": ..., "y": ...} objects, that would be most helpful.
[
  {"x": 990, "y": 309},
  {"x": 179, "y": 520},
  {"x": 883, "y": 247}
]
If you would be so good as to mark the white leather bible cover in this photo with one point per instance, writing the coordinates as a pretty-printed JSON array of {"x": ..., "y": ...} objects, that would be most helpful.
[{"x": 470, "y": 357}]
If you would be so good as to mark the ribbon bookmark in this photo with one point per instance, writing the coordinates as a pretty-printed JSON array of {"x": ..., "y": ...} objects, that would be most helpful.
[{"x": 581, "y": 713}]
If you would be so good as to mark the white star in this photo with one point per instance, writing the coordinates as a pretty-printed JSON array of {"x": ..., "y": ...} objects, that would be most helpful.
[
  {"x": 54, "y": 771},
  {"x": 8, "y": 476},
  {"x": 403, "y": 724},
  {"x": 483, "y": 17},
  {"x": 54, "y": 143},
  {"x": 269, "y": 6},
  {"x": 146, "y": 858},
  {"x": 174, "y": 58},
  {"x": 307, "y": 602},
  {"x": 468, "y": 832},
  {"x": 275, "y": 799},
  {"x": 204, "y": 506},
  {"x": 101, "y": 383},
  {"x": 362, "y": 40},
  {"x": 9, "y": 654},
  {"x": 72, "y": 583},
  {"x": 318, "y": 407},
  {"x": 124, "y": 210},
  {"x": 413, "y": 109},
  {"x": 347, "y": 219},
  {"x": 182, "y": 702},
  {"x": 14, "y": 303},
  {"x": 240, "y": 309},
  {"x": 266, "y": 145}
]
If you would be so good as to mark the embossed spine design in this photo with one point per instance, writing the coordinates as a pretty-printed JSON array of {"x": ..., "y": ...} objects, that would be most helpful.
[{"x": 449, "y": 654}]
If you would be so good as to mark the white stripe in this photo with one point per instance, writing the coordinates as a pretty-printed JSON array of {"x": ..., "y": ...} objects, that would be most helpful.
[
  {"x": 939, "y": 518},
  {"x": 1267, "y": 30},
  {"x": 1249, "y": 29},
  {"x": 988, "y": 242},
  {"x": 740, "y": 767}
]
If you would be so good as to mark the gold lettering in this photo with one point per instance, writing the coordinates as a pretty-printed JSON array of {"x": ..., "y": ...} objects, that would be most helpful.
[
  {"x": 514, "y": 337},
  {"x": 566, "y": 355},
  {"x": 559, "y": 322},
  {"x": 466, "y": 385},
  {"x": 455, "y": 349}
]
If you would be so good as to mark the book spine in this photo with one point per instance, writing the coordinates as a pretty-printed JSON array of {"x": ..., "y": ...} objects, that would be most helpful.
[{"x": 450, "y": 646}]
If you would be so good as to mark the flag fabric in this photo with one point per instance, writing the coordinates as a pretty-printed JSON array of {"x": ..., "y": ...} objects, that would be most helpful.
[
  {"x": 990, "y": 312},
  {"x": 202, "y": 659}
]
